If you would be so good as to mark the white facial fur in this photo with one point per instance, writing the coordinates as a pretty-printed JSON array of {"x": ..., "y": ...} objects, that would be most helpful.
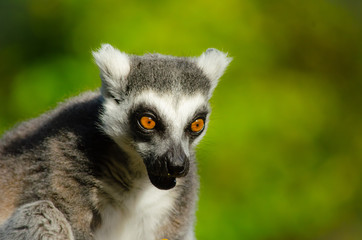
[{"x": 114, "y": 120}]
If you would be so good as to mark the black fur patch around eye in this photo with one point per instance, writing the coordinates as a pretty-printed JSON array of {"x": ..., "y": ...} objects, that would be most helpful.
[
  {"x": 140, "y": 133},
  {"x": 200, "y": 115}
]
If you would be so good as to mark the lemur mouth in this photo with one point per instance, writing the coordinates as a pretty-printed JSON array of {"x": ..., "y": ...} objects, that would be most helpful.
[
  {"x": 163, "y": 171},
  {"x": 162, "y": 182}
]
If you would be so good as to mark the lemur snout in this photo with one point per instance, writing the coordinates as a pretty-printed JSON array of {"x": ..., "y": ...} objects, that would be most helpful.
[
  {"x": 177, "y": 163},
  {"x": 164, "y": 170}
]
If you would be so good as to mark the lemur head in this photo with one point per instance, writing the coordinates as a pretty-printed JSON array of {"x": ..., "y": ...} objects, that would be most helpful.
[{"x": 156, "y": 107}]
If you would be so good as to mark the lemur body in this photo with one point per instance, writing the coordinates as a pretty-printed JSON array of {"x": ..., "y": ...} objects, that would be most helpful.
[{"x": 112, "y": 164}]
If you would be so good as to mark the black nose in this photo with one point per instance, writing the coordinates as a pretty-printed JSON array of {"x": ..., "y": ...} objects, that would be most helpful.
[{"x": 177, "y": 163}]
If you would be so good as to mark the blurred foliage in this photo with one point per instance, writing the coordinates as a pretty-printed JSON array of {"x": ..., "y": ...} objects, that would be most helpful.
[{"x": 283, "y": 155}]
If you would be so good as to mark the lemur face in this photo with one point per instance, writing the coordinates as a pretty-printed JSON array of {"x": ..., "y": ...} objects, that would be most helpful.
[
  {"x": 156, "y": 107},
  {"x": 164, "y": 129}
]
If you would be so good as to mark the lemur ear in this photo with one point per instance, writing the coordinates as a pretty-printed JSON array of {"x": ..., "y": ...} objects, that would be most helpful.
[
  {"x": 213, "y": 63},
  {"x": 114, "y": 67}
]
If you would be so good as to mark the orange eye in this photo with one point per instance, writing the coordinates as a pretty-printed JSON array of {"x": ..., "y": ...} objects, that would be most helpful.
[
  {"x": 198, "y": 125},
  {"x": 147, "y": 122}
]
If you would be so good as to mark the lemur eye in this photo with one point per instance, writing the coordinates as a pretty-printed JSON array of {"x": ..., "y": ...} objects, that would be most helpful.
[
  {"x": 147, "y": 122},
  {"x": 197, "y": 125}
]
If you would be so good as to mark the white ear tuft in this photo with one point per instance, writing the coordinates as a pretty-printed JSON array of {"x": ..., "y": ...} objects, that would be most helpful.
[
  {"x": 213, "y": 63},
  {"x": 114, "y": 67}
]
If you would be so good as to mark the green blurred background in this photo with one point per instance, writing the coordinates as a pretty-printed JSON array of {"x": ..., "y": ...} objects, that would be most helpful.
[{"x": 283, "y": 155}]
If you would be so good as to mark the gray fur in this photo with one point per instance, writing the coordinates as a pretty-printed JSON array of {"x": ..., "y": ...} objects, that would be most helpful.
[
  {"x": 62, "y": 170},
  {"x": 166, "y": 74}
]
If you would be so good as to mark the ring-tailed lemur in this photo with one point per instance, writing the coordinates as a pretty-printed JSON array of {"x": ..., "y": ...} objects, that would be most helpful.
[{"x": 114, "y": 164}]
